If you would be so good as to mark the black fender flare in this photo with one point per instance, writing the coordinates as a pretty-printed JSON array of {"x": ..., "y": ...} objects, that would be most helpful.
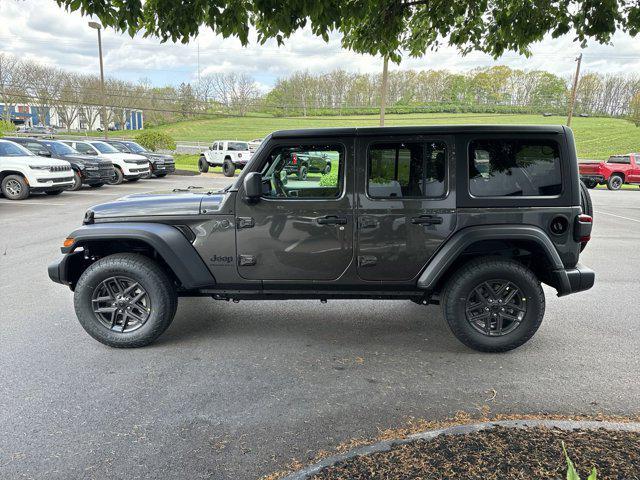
[
  {"x": 174, "y": 248},
  {"x": 459, "y": 241}
]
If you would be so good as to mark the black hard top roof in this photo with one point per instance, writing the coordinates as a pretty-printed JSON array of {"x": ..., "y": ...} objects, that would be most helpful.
[{"x": 417, "y": 130}]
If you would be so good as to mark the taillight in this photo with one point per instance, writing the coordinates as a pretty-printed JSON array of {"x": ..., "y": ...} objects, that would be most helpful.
[
  {"x": 294, "y": 159},
  {"x": 584, "y": 224}
]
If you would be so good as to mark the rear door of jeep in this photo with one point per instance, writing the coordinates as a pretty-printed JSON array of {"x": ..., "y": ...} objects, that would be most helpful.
[{"x": 405, "y": 203}]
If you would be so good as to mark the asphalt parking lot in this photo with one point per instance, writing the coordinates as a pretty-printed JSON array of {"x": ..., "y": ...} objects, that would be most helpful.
[{"x": 235, "y": 391}]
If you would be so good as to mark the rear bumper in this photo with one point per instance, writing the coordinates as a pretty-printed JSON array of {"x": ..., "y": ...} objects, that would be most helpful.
[
  {"x": 576, "y": 279},
  {"x": 594, "y": 177}
]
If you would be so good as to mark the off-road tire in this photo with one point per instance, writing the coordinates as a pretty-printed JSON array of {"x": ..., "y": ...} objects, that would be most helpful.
[
  {"x": 160, "y": 288},
  {"x": 327, "y": 169},
  {"x": 53, "y": 192},
  {"x": 203, "y": 166},
  {"x": 467, "y": 278},
  {"x": 303, "y": 171},
  {"x": 228, "y": 168},
  {"x": 615, "y": 182},
  {"x": 14, "y": 180},
  {"x": 585, "y": 200},
  {"x": 77, "y": 182},
  {"x": 117, "y": 178}
]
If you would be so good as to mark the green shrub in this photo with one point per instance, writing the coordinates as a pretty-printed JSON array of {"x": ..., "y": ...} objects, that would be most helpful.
[
  {"x": 572, "y": 473},
  {"x": 330, "y": 179},
  {"x": 6, "y": 127},
  {"x": 152, "y": 140}
]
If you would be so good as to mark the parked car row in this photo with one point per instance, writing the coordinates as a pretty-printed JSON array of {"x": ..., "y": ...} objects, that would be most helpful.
[
  {"x": 614, "y": 173},
  {"x": 30, "y": 165}
]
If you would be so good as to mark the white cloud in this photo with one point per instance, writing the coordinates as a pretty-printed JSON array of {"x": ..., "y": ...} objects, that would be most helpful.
[{"x": 40, "y": 30}]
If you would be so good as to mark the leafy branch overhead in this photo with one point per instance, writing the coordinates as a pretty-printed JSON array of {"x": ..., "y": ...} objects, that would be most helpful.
[{"x": 384, "y": 27}]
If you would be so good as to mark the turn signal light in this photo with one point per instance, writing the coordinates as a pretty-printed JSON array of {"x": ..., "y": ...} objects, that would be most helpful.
[{"x": 68, "y": 242}]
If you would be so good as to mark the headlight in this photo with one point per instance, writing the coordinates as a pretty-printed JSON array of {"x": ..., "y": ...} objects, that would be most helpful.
[{"x": 39, "y": 167}]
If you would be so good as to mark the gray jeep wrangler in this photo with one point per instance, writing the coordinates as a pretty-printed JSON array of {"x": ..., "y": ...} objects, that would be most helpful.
[{"x": 473, "y": 218}]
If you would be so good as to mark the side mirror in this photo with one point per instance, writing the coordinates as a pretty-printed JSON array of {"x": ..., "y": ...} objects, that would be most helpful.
[
  {"x": 44, "y": 153},
  {"x": 253, "y": 185}
]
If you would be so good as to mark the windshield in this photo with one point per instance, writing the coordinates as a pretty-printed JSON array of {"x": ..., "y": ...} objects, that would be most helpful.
[
  {"x": 134, "y": 147},
  {"x": 9, "y": 149},
  {"x": 238, "y": 146},
  {"x": 104, "y": 147},
  {"x": 60, "y": 148}
]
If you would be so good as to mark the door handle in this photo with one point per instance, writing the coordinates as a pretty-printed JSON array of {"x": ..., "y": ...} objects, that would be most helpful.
[
  {"x": 332, "y": 220},
  {"x": 427, "y": 220}
]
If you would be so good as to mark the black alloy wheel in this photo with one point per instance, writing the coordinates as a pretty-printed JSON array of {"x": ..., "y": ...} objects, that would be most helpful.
[
  {"x": 121, "y": 304},
  {"x": 495, "y": 307}
]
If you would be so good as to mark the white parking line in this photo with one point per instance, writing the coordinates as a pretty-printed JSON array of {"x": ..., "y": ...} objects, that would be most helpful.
[
  {"x": 22, "y": 203},
  {"x": 600, "y": 212}
]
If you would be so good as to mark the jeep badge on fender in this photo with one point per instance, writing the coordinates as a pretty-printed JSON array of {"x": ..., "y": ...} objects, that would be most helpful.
[{"x": 472, "y": 218}]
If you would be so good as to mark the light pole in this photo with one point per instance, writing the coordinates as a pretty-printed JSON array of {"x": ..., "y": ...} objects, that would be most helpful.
[{"x": 105, "y": 127}]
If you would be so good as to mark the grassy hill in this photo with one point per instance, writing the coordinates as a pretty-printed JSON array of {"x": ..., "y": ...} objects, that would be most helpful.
[{"x": 596, "y": 138}]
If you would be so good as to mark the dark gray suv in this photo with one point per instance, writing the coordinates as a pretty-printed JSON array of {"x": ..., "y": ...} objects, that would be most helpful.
[{"x": 473, "y": 218}]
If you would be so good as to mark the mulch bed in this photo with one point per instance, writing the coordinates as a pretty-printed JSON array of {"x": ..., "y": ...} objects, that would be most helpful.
[{"x": 500, "y": 453}]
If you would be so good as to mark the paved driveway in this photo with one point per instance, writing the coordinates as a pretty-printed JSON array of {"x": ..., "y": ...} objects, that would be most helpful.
[{"x": 233, "y": 391}]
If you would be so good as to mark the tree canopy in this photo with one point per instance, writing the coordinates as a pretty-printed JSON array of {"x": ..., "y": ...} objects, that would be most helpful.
[{"x": 376, "y": 27}]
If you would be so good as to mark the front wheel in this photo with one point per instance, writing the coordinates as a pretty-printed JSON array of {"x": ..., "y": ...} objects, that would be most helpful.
[
  {"x": 15, "y": 187},
  {"x": 125, "y": 300},
  {"x": 493, "y": 304},
  {"x": 77, "y": 182},
  {"x": 615, "y": 182}
]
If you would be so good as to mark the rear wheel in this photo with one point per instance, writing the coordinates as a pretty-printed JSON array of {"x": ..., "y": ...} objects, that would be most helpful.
[
  {"x": 117, "y": 177},
  {"x": 615, "y": 182},
  {"x": 203, "y": 166},
  {"x": 493, "y": 304},
  {"x": 585, "y": 200},
  {"x": 228, "y": 168},
  {"x": 125, "y": 300},
  {"x": 14, "y": 187},
  {"x": 77, "y": 182},
  {"x": 302, "y": 172}
]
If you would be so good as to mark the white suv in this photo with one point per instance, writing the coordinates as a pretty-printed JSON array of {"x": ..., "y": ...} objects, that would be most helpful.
[
  {"x": 128, "y": 166},
  {"x": 230, "y": 154},
  {"x": 22, "y": 172}
]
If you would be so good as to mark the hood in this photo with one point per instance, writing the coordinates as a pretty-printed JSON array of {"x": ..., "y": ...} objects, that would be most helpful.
[
  {"x": 174, "y": 202},
  {"x": 125, "y": 157},
  {"x": 42, "y": 161},
  {"x": 90, "y": 159},
  {"x": 158, "y": 156}
]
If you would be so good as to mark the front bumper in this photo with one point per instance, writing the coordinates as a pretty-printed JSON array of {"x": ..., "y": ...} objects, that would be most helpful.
[
  {"x": 576, "y": 279},
  {"x": 102, "y": 175},
  {"x": 61, "y": 270},
  {"x": 163, "y": 168},
  {"x": 51, "y": 184}
]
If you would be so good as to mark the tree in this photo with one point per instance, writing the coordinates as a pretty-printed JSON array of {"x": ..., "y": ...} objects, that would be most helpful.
[
  {"x": 236, "y": 91},
  {"x": 635, "y": 109},
  {"x": 376, "y": 27},
  {"x": 12, "y": 84}
]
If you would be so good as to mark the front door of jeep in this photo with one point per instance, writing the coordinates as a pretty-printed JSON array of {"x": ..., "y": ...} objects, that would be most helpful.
[
  {"x": 300, "y": 229},
  {"x": 404, "y": 209}
]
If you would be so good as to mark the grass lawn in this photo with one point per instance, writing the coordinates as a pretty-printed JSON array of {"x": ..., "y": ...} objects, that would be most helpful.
[{"x": 596, "y": 138}]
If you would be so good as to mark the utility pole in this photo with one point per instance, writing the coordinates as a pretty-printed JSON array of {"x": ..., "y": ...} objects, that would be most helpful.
[
  {"x": 198, "y": 63},
  {"x": 574, "y": 90},
  {"x": 383, "y": 89},
  {"x": 105, "y": 126}
]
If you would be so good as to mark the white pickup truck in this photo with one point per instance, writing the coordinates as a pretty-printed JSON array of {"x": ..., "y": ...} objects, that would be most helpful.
[
  {"x": 127, "y": 166},
  {"x": 230, "y": 154},
  {"x": 23, "y": 173}
]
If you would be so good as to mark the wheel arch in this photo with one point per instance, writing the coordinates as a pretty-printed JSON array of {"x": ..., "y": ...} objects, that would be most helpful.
[
  {"x": 619, "y": 174},
  {"x": 519, "y": 242},
  {"x": 164, "y": 243},
  {"x": 6, "y": 173}
]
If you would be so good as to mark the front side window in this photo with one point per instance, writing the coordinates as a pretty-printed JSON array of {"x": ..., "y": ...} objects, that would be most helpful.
[
  {"x": 514, "y": 168},
  {"x": 104, "y": 147},
  {"x": 134, "y": 147},
  {"x": 34, "y": 147},
  {"x": 120, "y": 147},
  {"x": 407, "y": 170},
  {"x": 85, "y": 148},
  {"x": 304, "y": 171}
]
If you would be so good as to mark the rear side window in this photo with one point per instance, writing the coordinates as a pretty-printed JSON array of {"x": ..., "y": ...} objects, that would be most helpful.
[
  {"x": 528, "y": 168},
  {"x": 624, "y": 159},
  {"x": 407, "y": 170}
]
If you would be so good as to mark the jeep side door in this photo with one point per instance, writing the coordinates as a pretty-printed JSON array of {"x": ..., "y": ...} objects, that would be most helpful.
[
  {"x": 405, "y": 204},
  {"x": 298, "y": 229}
]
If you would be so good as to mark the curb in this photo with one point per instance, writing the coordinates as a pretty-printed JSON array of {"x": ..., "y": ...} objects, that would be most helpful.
[{"x": 386, "y": 445}]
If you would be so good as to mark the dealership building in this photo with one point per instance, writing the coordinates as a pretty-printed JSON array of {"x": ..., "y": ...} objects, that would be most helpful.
[{"x": 125, "y": 119}]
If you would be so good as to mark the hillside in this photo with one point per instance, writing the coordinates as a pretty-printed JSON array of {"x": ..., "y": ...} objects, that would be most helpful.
[{"x": 596, "y": 137}]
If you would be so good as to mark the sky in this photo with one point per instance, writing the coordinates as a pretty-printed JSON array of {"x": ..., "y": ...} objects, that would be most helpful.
[{"x": 40, "y": 30}]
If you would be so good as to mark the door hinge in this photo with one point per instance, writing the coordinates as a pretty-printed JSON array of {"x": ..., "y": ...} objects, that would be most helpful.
[
  {"x": 245, "y": 222},
  {"x": 367, "y": 261},
  {"x": 246, "y": 260}
]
